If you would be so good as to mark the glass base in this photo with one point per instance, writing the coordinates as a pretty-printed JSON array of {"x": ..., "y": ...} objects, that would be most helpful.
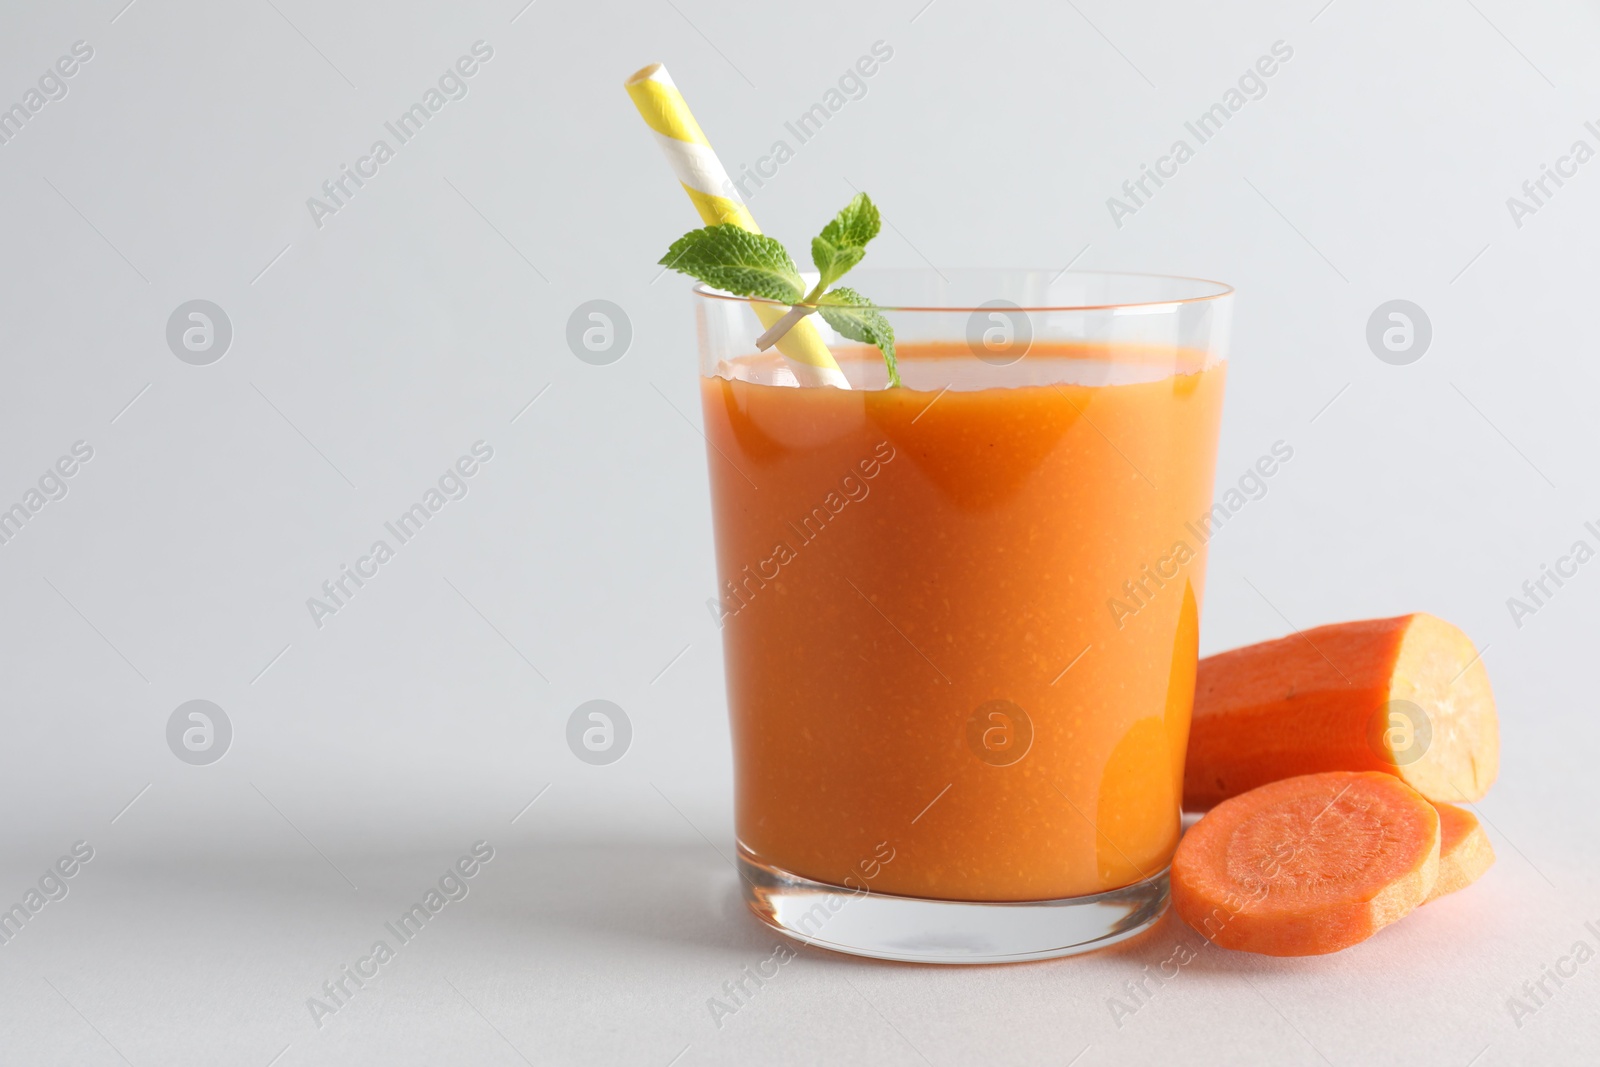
[{"x": 917, "y": 930}]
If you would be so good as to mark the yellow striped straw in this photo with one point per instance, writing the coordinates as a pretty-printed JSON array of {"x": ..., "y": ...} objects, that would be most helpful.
[{"x": 706, "y": 181}]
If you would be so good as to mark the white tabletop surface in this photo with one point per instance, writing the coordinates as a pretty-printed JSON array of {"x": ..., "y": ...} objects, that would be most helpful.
[{"x": 371, "y": 351}]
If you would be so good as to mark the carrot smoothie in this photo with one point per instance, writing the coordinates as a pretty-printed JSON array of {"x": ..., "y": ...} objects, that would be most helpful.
[{"x": 960, "y": 619}]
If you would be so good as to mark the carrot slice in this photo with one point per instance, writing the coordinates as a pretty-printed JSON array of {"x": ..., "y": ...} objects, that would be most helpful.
[
  {"x": 1407, "y": 695},
  {"x": 1464, "y": 850},
  {"x": 1307, "y": 865}
]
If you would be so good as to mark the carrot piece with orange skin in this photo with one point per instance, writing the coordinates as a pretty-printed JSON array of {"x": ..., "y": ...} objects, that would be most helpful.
[
  {"x": 1407, "y": 695},
  {"x": 1464, "y": 850},
  {"x": 1307, "y": 865}
]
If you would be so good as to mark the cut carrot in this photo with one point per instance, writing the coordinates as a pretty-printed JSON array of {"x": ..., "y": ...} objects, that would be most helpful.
[
  {"x": 1307, "y": 865},
  {"x": 1407, "y": 695},
  {"x": 1464, "y": 850}
]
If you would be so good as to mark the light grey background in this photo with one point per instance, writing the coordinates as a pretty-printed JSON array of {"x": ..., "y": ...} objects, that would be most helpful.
[{"x": 368, "y": 354}]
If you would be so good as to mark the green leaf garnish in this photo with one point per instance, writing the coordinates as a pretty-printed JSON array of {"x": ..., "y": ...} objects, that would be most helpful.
[
  {"x": 751, "y": 264},
  {"x": 843, "y": 241},
  {"x": 737, "y": 261},
  {"x": 854, "y": 316}
]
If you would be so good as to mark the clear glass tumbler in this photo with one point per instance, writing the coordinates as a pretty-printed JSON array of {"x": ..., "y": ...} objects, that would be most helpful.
[{"x": 960, "y": 617}]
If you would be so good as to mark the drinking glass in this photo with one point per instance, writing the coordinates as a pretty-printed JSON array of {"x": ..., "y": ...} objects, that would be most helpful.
[{"x": 960, "y": 617}]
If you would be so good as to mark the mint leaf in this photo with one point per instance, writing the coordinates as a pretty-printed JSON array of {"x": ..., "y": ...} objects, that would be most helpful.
[
  {"x": 854, "y": 316},
  {"x": 843, "y": 241},
  {"x": 737, "y": 261},
  {"x": 752, "y": 264}
]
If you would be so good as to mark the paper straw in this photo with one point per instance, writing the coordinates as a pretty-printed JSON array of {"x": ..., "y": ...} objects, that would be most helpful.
[{"x": 706, "y": 181}]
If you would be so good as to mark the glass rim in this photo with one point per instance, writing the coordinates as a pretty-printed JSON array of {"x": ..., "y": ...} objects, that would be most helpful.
[{"x": 1218, "y": 291}]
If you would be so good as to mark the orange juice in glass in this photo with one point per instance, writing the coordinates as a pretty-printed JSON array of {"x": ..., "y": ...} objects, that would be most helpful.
[{"x": 960, "y": 617}]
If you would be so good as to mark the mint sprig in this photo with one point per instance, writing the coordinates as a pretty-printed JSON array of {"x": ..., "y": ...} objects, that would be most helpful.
[
  {"x": 843, "y": 242},
  {"x": 854, "y": 316},
  {"x": 752, "y": 264}
]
